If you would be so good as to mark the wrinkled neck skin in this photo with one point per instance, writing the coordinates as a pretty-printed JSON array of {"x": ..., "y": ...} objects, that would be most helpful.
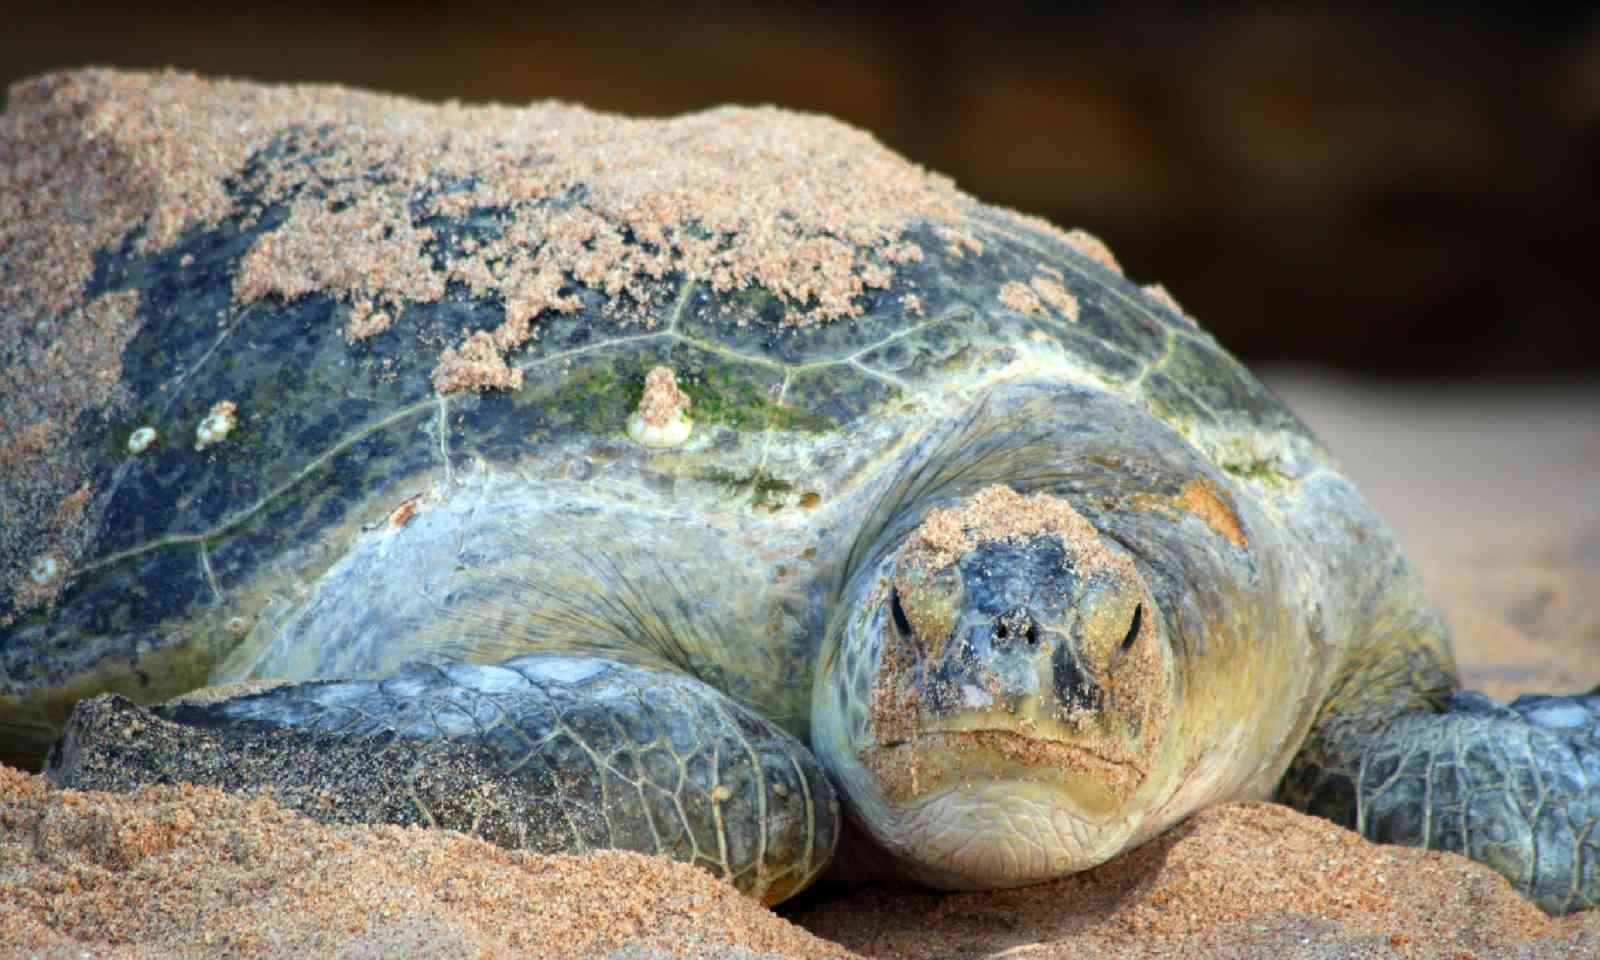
[{"x": 1175, "y": 726}]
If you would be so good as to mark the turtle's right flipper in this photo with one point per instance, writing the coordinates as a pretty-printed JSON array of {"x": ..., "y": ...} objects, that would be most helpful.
[{"x": 551, "y": 753}]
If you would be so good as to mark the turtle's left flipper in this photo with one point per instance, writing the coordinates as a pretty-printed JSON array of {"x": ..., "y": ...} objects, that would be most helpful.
[{"x": 1514, "y": 787}]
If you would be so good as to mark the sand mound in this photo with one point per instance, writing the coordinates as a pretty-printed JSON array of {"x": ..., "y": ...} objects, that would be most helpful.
[
  {"x": 1242, "y": 880},
  {"x": 195, "y": 872},
  {"x": 191, "y": 871}
]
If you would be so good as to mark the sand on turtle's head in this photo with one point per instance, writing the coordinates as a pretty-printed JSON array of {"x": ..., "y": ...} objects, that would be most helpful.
[{"x": 998, "y": 513}]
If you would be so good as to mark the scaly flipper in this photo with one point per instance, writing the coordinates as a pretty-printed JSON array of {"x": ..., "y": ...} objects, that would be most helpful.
[
  {"x": 546, "y": 752},
  {"x": 1514, "y": 787}
]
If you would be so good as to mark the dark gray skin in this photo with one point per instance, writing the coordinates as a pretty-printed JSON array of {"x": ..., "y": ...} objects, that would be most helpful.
[{"x": 706, "y": 649}]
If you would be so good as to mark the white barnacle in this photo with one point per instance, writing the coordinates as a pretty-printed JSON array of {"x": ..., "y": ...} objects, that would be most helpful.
[
  {"x": 139, "y": 440},
  {"x": 46, "y": 568},
  {"x": 659, "y": 421},
  {"x": 216, "y": 425}
]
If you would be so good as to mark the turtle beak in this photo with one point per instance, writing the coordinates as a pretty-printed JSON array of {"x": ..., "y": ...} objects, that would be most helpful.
[{"x": 1006, "y": 645}]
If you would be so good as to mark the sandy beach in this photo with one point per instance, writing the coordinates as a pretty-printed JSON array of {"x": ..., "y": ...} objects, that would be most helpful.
[{"x": 1491, "y": 487}]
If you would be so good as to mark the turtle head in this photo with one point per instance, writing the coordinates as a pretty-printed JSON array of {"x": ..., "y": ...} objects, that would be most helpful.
[{"x": 998, "y": 695}]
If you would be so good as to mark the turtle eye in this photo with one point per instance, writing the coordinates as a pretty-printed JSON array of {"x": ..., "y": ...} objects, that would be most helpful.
[
  {"x": 1133, "y": 629},
  {"x": 902, "y": 623}
]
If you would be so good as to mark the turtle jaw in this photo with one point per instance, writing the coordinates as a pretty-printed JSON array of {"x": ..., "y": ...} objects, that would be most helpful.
[
  {"x": 985, "y": 809},
  {"x": 989, "y": 808},
  {"x": 995, "y": 834}
]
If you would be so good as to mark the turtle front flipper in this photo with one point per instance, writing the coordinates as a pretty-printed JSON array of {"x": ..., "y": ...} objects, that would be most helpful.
[
  {"x": 546, "y": 752},
  {"x": 1514, "y": 787}
]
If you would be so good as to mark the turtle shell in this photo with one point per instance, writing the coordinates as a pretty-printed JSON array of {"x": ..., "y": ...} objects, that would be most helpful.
[{"x": 292, "y": 409}]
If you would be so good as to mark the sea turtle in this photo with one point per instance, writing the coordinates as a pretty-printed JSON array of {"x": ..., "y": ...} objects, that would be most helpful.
[{"x": 940, "y": 536}]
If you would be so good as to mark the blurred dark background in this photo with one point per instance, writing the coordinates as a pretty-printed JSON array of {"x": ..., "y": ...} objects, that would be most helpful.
[{"x": 1406, "y": 191}]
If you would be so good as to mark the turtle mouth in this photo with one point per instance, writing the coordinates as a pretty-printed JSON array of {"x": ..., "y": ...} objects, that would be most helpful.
[
  {"x": 1096, "y": 777},
  {"x": 1031, "y": 750}
]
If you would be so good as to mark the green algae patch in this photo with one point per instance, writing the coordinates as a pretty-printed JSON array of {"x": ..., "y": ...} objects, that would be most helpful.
[
  {"x": 764, "y": 489},
  {"x": 1256, "y": 471},
  {"x": 596, "y": 396},
  {"x": 720, "y": 396},
  {"x": 1253, "y": 460}
]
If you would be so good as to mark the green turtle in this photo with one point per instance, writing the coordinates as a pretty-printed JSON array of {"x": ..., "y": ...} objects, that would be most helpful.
[{"x": 941, "y": 551}]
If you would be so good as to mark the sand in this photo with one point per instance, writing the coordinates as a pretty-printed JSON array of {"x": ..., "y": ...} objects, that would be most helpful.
[{"x": 1487, "y": 486}]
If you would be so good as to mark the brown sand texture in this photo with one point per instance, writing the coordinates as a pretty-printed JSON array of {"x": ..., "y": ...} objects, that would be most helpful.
[{"x": 1487, "y": 485}]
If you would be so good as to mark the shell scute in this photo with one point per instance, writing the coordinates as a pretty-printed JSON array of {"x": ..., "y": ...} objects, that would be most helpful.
[
  {"x": 751, "y": 323},
  {"x": 841, "y": 393}
]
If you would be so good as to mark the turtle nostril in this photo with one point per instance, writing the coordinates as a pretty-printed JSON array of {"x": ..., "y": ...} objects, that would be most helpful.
[{"x": 1019, "y": 626}]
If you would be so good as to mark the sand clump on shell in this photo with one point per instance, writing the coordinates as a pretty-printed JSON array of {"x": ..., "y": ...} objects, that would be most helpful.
[
  {"x": 1038, "y": 294},
  {"x": 662, "y": 400},
  {"x": 801, "y": 205}
]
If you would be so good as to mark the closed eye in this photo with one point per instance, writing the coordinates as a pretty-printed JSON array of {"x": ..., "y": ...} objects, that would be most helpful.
[
  {"x": 901, "y": 621},
  {"x": 1128, "y": 641},
  {"x": 1133, "y": 629}
]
